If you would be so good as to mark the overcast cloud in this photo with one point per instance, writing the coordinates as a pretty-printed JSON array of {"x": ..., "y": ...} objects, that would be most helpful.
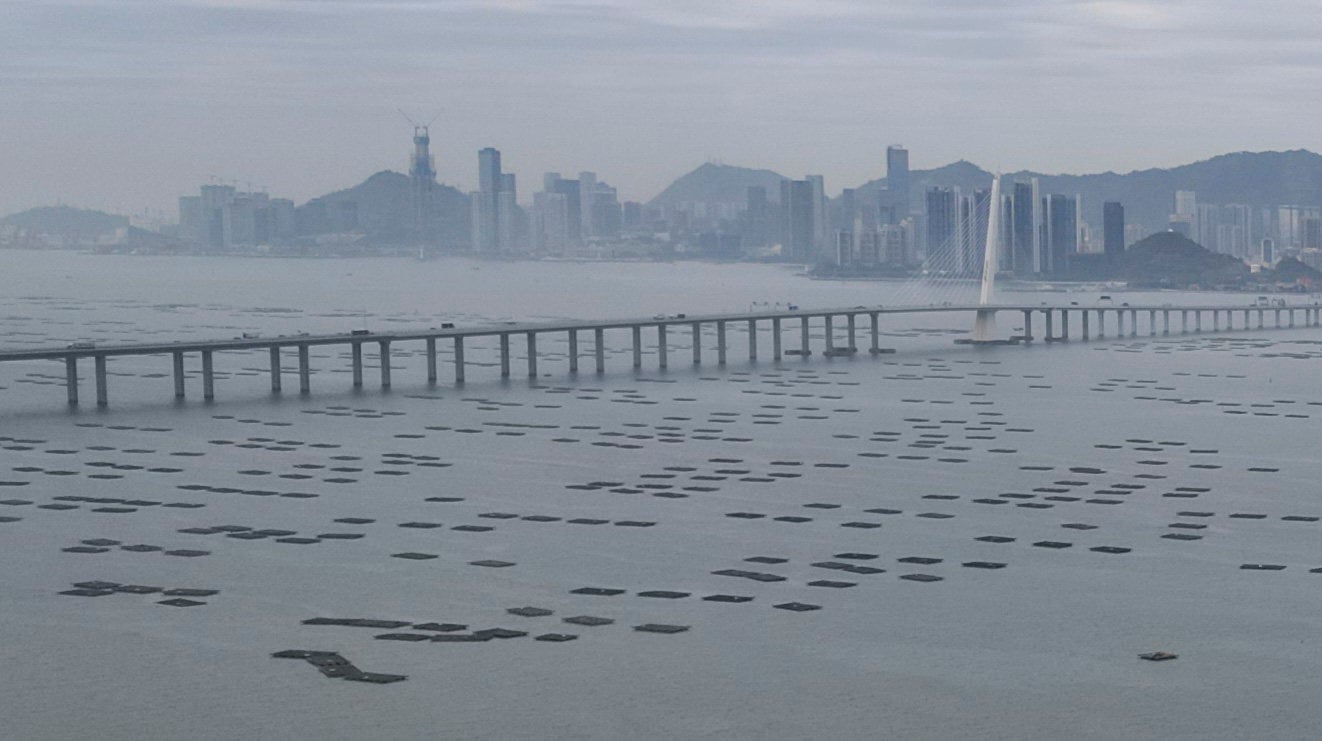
[{"x": 127, "y": 104}]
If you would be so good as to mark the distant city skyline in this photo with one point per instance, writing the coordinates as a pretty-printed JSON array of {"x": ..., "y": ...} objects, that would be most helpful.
[{"x": 124, "y": 106}]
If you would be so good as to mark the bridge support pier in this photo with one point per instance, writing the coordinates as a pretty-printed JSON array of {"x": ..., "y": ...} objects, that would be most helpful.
[
  {"x": 637, "y": 347},
  {"x": 573, "y": 351},
  {"x": 720, "y": 343},
  {"x": 830, "y": 334},
  {"x": 1216, "y": 321},
  {"x": 431, "y": 360},
  {"x": 458, "y": 360},
  {"x": 504, "y": 355},
  {"x": 1047, "y": 320},
  {"x": 208, "y": 377},
  {"x": 384, "y": 348},
  {"x": 1260, "y": 319},
  {"x": 599, "y": 347},
  {"x": 1101, "y": 324},
  {"x": 1165, "y": 322},
  {"x": 102, "y": 394},
  {"x": 775, "y": 339},
  {"x": 1064, "y": 325},
  {"x": 71, "y": 379},
  {"x": 178, "y": 360},
  {"x": 304, "y": 371},
  {"x": 356, "y": 350},
  {"x": 532, "y": 354},
  {"x": 1028, "y": 327},
  {"x": 875, "y": 332},
  {"x": 853, "y": 346},
  {"x": 663, "y": 356},
  {"x": 752, "y": 340},
  {"x": 697, "y": 343},
  {"x": 1120, "y": 324},
  {"x": 1083, "y": 315},
  {"x": 1133, "y": 323},
  {"x": 804, "y": 348},
  {"x": 1198, "y": 321},
  {"x": 275, "y": 370}
]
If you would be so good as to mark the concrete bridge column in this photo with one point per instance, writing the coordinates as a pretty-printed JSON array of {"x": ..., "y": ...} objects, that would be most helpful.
[
  {"x": 458, "y": 360},
  {"x": 1152, "y": 323},
  {"x": 71, "y": 379},
  {"x": 804, "y": 348},
  {"x": 1046, "y": 318},
  {"x": 1260, "y": 319},
  {"x": 532, "y": 354},
  {"x": 504, "y": 356},
  {"x": 1083, "y": 315},
  {"x": 599, "y": 348},
  {"x": 304, "y": 371},
  {"x": 178, "y": 375},
  {"x": 697, "y": 343},
  {"x": 1166, "y": 321},
  {"x": 637, "y": 346},
  {"x": 384, "y": 353},
  {"x": 208, "y": 377},
  {"x": 1216, "y": 320},
  {"x": 1120, "y": 323},
  {"x": 852, "y": 344},
  {"x": 276, "y": 379},
  {"x": 1101, "y": 324},
  {"x": 1292, "y": 318},
  {"x": 1197, "y": 321},
  {"x": 875, "y": 332},
  {"x": 1064, "y": 325},
  {"x": 431, "y": 360},
  {"x": 102, "y": 394},
  {"x": 662, "y": 354},
  {"x": 573, "y": 351},
  {"x": 1133, "y": 323},
  {"x": 720, "y": 343},
  {"x": 1184, "y": 321},
  {"x": 752, "y": 340},
  {"x": 830, "y": 333},
  {"x": 775, "y": 339},
  {"x": 357, "y": 351},
  {"x": 1028, "y": 326}
]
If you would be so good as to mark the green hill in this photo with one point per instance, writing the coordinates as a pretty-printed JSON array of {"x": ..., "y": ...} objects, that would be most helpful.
[
  {"x": 720, "y": 184},
  {"x": 72, "y": 224}
]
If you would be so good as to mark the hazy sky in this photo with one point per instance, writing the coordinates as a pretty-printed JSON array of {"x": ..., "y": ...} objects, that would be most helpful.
[{"x": 126, "y": 104}]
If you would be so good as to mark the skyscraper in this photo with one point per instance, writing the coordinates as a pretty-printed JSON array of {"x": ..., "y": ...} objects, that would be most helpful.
[
  {"x": 486, "y": 206},
  {"x": 507, "y": 212},
  {"x": 587, "y": 199},
  {"x": 1062, "y": 232},
  {"x": 798, "y": 231},
  {"x": 942, "y": 216},
  {"x": 422, "y": 177},
  {"x": 1023, "y": 226},
  {"x": 897, "y": 181},
  {"x": 1113, "y": 230},
  {"x": 820, "y": 225}
]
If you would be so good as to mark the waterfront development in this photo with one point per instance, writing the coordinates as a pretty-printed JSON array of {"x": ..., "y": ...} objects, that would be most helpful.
[{"x": 937, "y": 542}]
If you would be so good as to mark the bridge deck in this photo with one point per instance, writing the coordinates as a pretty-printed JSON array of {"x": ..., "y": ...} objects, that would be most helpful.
[{"x": 510, "y": 328}]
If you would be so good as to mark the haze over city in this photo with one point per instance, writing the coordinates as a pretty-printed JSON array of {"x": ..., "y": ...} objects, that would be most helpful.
[
  {"x": 669, "y": 369},
  {"x": 122, "y": 107}
]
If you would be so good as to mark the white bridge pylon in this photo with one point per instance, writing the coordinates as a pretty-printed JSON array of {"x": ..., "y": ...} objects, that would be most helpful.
[{"x": 984, "y": 323}]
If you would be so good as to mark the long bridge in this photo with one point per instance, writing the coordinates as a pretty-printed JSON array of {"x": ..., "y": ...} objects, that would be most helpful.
[{"x": 831, "y": 320}]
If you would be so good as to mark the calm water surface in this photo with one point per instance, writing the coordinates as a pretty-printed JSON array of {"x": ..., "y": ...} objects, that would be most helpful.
[{"x": 1001, "y": 472}]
